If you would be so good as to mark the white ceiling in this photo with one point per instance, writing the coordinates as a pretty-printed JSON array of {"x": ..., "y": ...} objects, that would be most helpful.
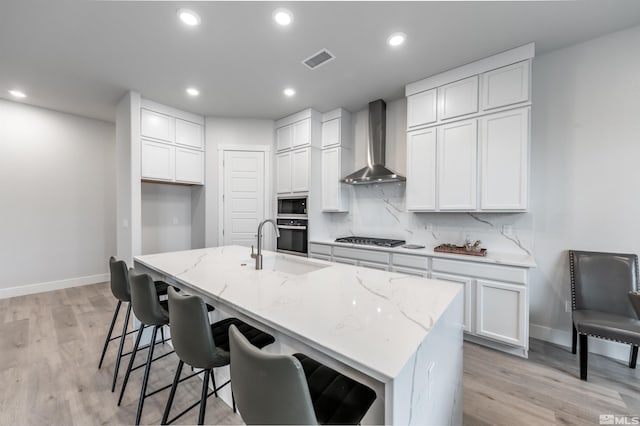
[{"x": 82, "y": 56}]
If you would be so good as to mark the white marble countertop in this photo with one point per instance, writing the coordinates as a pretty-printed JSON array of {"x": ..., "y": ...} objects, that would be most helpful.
[
  {"x": 510, "y": 259},
  {"x": 369, "y": 319}
]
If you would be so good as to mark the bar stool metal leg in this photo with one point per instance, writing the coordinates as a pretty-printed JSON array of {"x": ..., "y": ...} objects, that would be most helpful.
[
  {"x": 108, "y": 338},
  {"x": 172, "y": 393},
  {"x": 130, "y": 366},
  {"x": 203, "y": 397},
  {"x": 120, "y": 347},
  {"x": 145, "y": 379}
]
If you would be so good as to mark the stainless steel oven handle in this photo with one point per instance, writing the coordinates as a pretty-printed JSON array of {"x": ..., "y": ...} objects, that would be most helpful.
[{"x": 291, "y": 227}]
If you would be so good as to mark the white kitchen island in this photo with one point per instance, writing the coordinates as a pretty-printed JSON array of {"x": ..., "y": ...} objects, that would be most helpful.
[{"x": 399, "y": 334}]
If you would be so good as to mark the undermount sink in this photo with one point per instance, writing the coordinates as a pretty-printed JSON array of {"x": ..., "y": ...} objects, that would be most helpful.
[{"x": 288, "y": 265}]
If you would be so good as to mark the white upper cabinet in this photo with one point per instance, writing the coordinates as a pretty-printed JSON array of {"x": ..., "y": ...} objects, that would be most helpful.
[
  {"x": 157, "y": 126},
  {"x": 176, "y": 153},
  {"x": 421, "y": 109},
  {"x": 283, "y": 173},
  {"x": 421, "y": 170},
  {"x": 300, "y": 161},
  {"x": 458, "y": 98},
  {"x": 302, "y": 133},
  {"x": 335, "y": 197},
  {"x": 189, "y": 166},
  {"x": 457, "y": 165},
  {"x": 482, "y": 131},
  {"x": 331, "y": 134},
  {"x": 336, "y": 160},
  {"x": 297, "y": 142},
  {"x": 156, "y": 160},
  {"x": 506, "y": 86},
  {"x": 189, "y": 134},
  {"x": 284, "y": 136},
  {"x": 504, "y": 147}
]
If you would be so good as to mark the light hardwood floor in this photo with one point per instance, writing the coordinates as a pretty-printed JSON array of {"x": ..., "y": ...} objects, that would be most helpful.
[{"x": 50, "y": 345}]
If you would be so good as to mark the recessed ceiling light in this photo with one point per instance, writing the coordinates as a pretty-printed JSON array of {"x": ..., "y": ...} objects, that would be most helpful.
[
  {"x": 17, "y": 94},
  {"x": 192, "y": 91},
  {"x": 189, "y": 17},
  {"x": 283, "y": 16},
  {"x": 289, "y": 92},
  {"x": 396, "y": 39}
]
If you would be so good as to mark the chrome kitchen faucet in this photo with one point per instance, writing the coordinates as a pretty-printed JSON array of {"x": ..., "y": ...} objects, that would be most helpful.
[{"x": 258, "y": 256}]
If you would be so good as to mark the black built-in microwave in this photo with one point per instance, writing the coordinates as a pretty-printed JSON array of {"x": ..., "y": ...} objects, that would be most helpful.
[{"x": 292, "y": 206}]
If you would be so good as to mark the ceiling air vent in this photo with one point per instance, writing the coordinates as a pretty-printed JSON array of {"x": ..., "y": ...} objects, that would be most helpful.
[{"x": 317, "y": 59}]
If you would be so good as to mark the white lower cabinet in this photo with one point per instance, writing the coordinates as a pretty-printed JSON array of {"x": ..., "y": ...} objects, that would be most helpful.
[
  {"x": 345, "y": 260},
  {"x": 501, "y": 312},
  {"x": 468, "y": 322},
  {"x": 320, "y": 256},
  {"x": 408, "y": 271},
  {"x": 496, "y": 304},
  {"x": 372, "y": 265}
]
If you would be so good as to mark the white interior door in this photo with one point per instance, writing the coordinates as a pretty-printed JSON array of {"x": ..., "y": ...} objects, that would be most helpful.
[{"x": 244, "y": 189}]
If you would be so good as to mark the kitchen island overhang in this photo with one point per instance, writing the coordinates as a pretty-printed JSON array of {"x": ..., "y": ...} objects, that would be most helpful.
[{"x": 399, "y": 334}]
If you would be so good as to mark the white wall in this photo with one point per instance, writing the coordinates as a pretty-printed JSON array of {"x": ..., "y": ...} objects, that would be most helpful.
[
  {"x": 57, "y": 196},
  {"x": 166, "y": 218},
  {"x": 228, "y": 131},
  {"x": 585, "y": 156}
]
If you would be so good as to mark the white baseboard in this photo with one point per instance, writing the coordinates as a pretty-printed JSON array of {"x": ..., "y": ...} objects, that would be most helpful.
[
  {"x": 24, "y": 290},
  {"x": 606, "y": 348}
]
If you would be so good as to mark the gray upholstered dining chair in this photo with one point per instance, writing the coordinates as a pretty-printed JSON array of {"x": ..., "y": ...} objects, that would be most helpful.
[
  {"x": 600, "y": 283},
  {"x": 292, "y": 389}
]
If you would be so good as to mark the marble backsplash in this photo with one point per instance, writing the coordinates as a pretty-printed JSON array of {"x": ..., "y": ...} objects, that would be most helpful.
[{"x": 378, "y": 210}]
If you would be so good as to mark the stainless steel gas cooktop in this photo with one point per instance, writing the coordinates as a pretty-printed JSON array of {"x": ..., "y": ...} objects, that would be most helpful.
[{"x": 380, "y": 242}]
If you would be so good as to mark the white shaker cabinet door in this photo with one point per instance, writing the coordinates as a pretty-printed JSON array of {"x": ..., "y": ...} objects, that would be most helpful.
[
  {"x": 501, "y": 312},
  {"x": 421, "y": 170},
  {"x": 421, "y": 108},
  {"x": 300, "y": 170},
  {"x": 504, "y": 166},
  {"x": 457, "y": 158},
  {"x": 458, "y": 98},
  {"x": 283, "y": 173},
  {"x": 467, "y": 324},
  {"x": 505, "y": 86},
  {"x": 189, "y": 134},
  {"x": 157, "y": 126},
  {"x": 189, "y": 166},
  {"x": 284, "y": 137},
  {"x": 302, "y": 133},
  {"x": 331, "y": 186},
  {"x": 331, "y": 133},
  {"x": 156, "y": 160}
]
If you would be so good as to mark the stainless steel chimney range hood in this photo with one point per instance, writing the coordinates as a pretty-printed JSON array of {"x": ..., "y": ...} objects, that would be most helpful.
[{"x": 375, "y": 172}]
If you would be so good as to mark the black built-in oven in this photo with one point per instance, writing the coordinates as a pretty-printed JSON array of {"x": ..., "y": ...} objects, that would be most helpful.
[
  {"x": 292, "y": 207},
  {"x": 293, "y": 236}
]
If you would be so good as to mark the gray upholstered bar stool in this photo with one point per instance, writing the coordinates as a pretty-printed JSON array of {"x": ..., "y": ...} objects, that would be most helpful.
[
  {"x": 151, "y": 312},
  {"x": 121, "y": 291},
  {"x": 292, "y": 389},
  {"x": 202, "y": 345}
]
